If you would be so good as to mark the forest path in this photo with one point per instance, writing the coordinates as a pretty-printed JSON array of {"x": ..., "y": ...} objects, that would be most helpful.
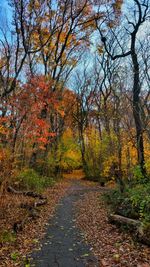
[{"x": 63, "y": 245}]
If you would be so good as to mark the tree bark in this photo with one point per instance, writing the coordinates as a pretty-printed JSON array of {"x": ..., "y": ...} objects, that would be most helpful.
[{"x": 136, "y": 106}]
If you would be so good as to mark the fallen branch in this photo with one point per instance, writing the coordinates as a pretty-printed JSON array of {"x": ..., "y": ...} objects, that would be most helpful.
[
  {"x": 114, "y": 218},
  {"x": 34, "y": 205},
  {"x": 31, "y": 208},
  {"x": 33, "y": 213},
  {"x": 18, "y": 226},
  {"x": 25, "y": 193},
  {"x": 135, "y": 225}
]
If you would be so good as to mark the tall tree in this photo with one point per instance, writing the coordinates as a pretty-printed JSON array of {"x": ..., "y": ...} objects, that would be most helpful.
[{"x": 140, "y": 14}]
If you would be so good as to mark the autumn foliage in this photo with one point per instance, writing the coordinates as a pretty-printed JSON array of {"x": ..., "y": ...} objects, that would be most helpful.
[{"x": 74, "y": 95}]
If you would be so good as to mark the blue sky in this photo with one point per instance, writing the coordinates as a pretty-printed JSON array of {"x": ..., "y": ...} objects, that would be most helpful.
[
  {"x": 3, "y": 3},
  {"x": 5, "y": 11}
]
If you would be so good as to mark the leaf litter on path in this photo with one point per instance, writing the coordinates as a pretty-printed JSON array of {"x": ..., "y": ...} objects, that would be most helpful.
[{"x": 113, "y": 247}]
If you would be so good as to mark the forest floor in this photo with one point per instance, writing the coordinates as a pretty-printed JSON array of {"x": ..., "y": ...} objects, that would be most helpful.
[{"x": 72, "y": 231}]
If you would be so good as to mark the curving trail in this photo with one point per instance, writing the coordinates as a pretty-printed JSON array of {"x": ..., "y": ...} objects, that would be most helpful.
[{"x": 63, "y": 245}]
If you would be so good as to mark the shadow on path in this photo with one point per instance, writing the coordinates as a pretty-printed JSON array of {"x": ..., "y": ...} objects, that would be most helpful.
[{"x": 63, "y": 245}]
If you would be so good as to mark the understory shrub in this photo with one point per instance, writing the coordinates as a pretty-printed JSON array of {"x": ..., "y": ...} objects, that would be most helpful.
[
  {"x": 91, "y": 173},
  {"x": 133, "y": 203},
  {"x": 29, "y": 179}
]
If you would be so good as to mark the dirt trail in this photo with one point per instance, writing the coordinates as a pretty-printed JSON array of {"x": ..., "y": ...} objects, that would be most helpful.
[{"x": 63, "y": 245}]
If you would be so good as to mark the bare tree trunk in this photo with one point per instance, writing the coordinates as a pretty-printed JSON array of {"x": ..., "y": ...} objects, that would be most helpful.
[
  {"x": 136, "y": 108},
  {"x": 82, "y": 142}
]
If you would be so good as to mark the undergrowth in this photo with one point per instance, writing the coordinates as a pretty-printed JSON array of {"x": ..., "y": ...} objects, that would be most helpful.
[
  {"x": 29, "y": 179},
  {"x": 134, "y": 202}
]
